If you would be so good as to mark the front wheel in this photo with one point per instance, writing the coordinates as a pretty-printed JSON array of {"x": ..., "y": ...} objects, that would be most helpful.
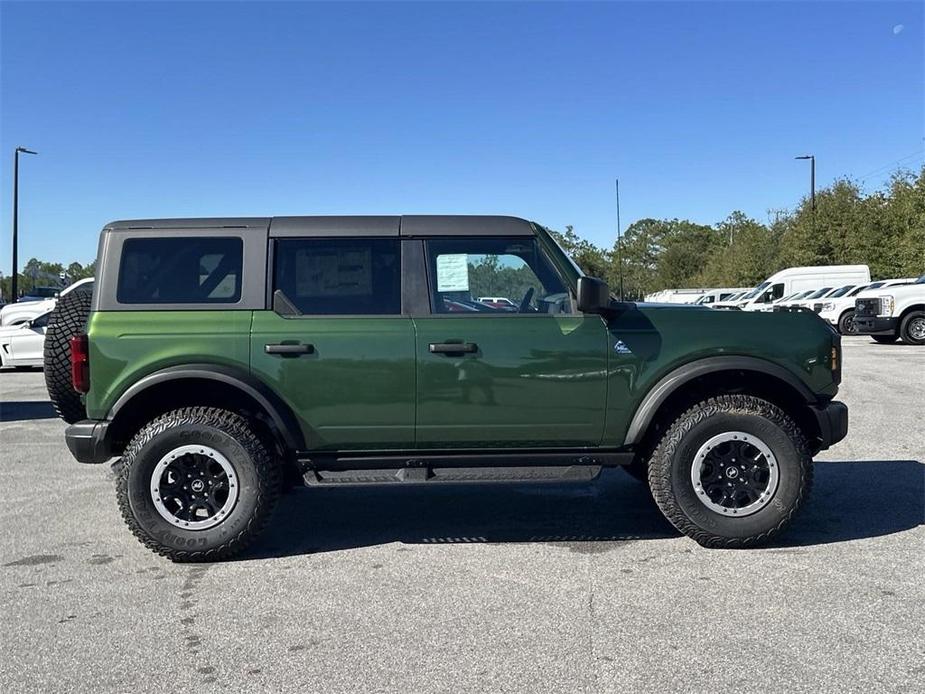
[
  {"x": 197, "y": 484},
  {"x": 731, "y": 471},
  {"x": 913, "y": 328},
  {"x": 846, "y": 324}
]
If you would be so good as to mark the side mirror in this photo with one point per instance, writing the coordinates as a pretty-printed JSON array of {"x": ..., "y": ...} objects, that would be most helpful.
[{"x": 593, "y": 295}]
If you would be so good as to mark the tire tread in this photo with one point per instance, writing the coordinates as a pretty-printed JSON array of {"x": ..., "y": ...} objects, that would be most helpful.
[
  {"x": 238, "y": 428},
  {"x": 68, "y": 319},
  {"x": 660, "y": 466}
]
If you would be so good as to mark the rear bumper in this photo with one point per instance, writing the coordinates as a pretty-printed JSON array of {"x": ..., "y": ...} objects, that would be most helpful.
[
  {"x": 88, "y": 442},
  {"x": 876, "y": 326},
  {"x": 833, "y": 423}
]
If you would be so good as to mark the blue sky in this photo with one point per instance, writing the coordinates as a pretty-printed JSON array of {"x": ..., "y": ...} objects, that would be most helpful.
[{"x": 165, "y": 109}]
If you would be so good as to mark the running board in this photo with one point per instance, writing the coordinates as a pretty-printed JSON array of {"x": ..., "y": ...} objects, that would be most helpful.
[
  {"x": 471, "y": 458},
  {"x": 449, "y": 475}
]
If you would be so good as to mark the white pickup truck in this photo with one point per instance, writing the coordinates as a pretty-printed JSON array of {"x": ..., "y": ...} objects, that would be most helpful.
[
  {"x": 839, "y": 310},
  {"x": 891, "y": 313}
]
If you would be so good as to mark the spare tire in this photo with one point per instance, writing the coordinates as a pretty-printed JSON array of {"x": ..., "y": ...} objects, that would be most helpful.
[{"x": 67, "y": 320}]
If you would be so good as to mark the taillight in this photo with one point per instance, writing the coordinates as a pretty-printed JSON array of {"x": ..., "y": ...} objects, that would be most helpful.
[{"x": 80, "y": 363}]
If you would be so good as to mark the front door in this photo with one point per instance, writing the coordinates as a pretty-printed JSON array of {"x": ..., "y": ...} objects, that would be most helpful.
[
  {"x": 341, "y": 354},
  {"x": 503, "y": 358}
]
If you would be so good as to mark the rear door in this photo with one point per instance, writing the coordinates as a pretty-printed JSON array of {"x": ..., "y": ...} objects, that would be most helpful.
[
  {"x": 337, "y": 347},
  {"x": 528, "y": 374}
]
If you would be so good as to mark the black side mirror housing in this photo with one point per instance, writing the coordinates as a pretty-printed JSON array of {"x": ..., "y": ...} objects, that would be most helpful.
[{"x": 593, "y": 295}]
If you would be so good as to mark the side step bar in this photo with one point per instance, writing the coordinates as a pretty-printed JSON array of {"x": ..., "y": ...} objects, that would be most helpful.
[
  {"x": 462, "y": 475},
  {"x": 464, "y": 458}
]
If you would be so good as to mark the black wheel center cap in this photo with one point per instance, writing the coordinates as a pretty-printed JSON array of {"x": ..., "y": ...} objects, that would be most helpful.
[
  {"x": 732, "y": 472},
  {"x": 197, "y": 485}
]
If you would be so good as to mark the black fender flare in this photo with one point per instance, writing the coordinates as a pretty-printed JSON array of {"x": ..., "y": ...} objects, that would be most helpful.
[
  {"x": 685, "y": 373},
  {"x": 283, "y": 418}
]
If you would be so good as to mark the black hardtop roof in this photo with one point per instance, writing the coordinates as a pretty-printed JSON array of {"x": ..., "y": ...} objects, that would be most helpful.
[{"x": 357, "y": 225}]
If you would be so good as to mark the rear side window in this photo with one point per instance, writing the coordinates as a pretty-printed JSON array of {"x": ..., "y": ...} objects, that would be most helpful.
[
  {"x": 340, "y": 276},
  {"x": 180, "y": 270}
]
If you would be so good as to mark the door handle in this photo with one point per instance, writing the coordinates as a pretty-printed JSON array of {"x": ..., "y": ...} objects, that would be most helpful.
[
  {"x": 293, "y": 350},
  {"x": 453, "y": 347}
]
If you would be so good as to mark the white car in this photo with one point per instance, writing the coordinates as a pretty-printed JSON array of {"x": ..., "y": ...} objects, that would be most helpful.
[
  {"x": 839, "y": 311},
  {"x": 789, "y": 300},
  {"x": 23, "y": 311},
  {"x": 23, "y": 344}
]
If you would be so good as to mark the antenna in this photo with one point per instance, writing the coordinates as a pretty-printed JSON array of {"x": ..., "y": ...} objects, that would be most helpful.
[{"x": 619, "y": 239}]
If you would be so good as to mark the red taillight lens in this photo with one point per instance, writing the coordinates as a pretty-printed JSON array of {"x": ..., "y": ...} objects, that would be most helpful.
[{"x": 80, "y": 363}]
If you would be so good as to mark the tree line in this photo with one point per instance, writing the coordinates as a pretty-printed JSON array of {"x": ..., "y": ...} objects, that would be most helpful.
[
  {"x": 39, "y": 273},
  {"x": 884, "y": 230}
]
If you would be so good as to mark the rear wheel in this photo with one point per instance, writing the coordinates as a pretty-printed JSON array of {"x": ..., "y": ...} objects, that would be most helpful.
[
  {"x": 846, "y": 324},
  {"x": 885, "y": 339},
  {"x": 912, "y": 329},
  {"x": 731, "y": 471},
  {"x": 67, "y": 320},
  {"x": 197, "y": 484}
]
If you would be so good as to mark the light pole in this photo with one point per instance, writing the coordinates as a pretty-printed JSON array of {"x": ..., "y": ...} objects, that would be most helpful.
[
  {"x": 812, "y": 177},
  {"x": 15, "y": 278}
]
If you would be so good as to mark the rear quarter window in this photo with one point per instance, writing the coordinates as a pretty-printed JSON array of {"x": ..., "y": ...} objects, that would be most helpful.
[{"x": 180, "y": 270}]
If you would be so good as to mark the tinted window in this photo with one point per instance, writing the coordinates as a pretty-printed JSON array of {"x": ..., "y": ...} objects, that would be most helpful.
[
  {"x": 841, "y": 292},
  {"x": 180, "y": 270},
  {"x": 41, "y": 321},
  {"x": 340, "y": 276},
  {"x": 514, "y": 272}
]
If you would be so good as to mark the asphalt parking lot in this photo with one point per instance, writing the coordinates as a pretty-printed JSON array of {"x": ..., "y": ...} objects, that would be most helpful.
[{"x": 565, "y": 588}]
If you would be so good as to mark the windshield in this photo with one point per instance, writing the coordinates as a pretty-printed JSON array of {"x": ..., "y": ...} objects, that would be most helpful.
[
  {"x": 841, "y": 291},
  {"x": 819, "y": 292},
  {"x": 920, "y": 280},
  {"x": 757, "y": 290},
  {"x": 562, "y": 250}
]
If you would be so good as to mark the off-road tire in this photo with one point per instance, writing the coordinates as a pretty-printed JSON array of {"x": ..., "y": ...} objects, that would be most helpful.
[
  {"x": 68, "y": 319},
  {"x": 885, "y": 339},
  {"x": 846, "y": 324},
  {"x": 905, "y": 329},
  {"x": 258, "y": 476},
  {"x": 670, "y": 471}
]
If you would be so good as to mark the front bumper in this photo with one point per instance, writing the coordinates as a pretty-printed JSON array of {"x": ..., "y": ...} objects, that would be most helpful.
[
  {"x": 832, "y": 419},
  {"x": 876, "y": 326},
  {"x": 88, "y": 442}
]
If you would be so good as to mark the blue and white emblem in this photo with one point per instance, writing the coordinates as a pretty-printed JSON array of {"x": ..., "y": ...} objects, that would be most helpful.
[{"x": 620, "y": 348}]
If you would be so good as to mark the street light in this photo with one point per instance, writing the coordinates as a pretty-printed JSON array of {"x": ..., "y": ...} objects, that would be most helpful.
[
  {"x": 812, "y": 177},
  {"x": 15, "y": 279}
]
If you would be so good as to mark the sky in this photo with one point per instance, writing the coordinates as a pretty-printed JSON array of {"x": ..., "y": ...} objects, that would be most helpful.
[{"x": 158, "y": 109}]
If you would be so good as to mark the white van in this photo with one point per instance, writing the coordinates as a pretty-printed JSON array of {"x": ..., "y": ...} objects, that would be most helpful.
[{"x": 795, "y": 279}]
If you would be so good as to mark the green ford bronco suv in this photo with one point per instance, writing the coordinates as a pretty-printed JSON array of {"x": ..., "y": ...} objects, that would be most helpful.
[{"x": 225, "y": 358}]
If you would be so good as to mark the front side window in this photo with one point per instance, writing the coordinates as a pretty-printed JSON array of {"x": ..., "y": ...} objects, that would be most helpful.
[
  {"x": 180, "y": 270},
  {"x": 493, "y": 276},
  {"x": 340, "y": 276}
]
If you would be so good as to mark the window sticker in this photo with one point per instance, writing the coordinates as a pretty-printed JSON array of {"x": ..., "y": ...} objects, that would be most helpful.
[
  {"x": 453, "y": 272},
  {"x": 343, "y": 273}
]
